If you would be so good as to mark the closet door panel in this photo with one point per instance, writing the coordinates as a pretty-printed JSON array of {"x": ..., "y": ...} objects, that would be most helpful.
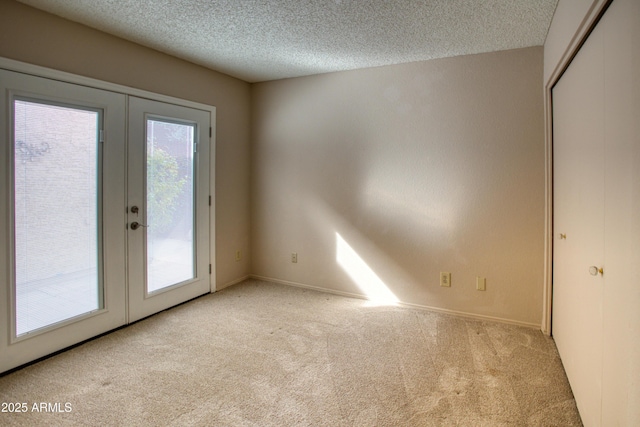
[
  {"x": 621, "y": 323},
  {"x": 578, "y": 105}
]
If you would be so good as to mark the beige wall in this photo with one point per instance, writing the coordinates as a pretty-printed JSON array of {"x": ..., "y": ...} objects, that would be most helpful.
[
  {"x": 36, "y": 37},
  {"x": 420, "y": 168}
]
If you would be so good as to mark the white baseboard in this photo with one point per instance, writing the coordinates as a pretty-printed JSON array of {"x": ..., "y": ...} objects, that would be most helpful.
[
  {"x": 231, "y": 283},
  {"x": 400, "y": 304},
  {"x": 314, "y": 288}
]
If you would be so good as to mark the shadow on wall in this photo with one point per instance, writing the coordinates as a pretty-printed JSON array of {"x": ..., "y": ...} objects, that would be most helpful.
[{"x": 361, "y": 188}]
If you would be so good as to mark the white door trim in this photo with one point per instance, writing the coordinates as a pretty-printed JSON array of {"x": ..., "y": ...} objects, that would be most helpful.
[{"x": 38, "y": 71}]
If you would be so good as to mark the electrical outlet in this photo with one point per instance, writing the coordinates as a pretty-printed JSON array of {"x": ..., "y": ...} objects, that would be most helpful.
[
  {"x": 238, "y": 255},
  {"x": 445, "y": 279},
  {"x": 481, "y": 283},
  {"x": 294, "y": 257}
]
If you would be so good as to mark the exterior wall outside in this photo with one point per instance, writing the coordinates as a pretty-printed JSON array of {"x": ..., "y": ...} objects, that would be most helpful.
[
  {"x": 55, "y": 192},
  {"x": 36, "y": 37},
  {"x": 416, "y": 168}
]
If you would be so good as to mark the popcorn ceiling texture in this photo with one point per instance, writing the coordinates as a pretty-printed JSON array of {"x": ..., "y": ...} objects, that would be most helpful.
[{"x": 273, "y": 39}]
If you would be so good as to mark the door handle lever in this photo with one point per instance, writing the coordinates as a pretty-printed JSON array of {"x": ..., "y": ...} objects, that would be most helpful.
[{"x": 135, "y": 225}]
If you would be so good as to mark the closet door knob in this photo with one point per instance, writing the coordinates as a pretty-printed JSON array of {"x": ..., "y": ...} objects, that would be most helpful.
[
  {"x": 563, "y": 236},
  {"x": 593, "y": 270}
]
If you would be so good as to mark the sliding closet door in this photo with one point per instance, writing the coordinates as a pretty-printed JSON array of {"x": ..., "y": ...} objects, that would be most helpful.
[
  {"x": 596, "y": 268},
  {"x": 621, "y": 305},
  {"x": 61, "y": 216},
  {"x": 168, "y": 205},
  {"x": 578, "y": 142}
]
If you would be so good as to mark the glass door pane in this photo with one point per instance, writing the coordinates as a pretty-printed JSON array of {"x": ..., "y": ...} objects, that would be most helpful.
[
  {"x": 170, "y": 195},
  {"x": 56, "y": 213}
]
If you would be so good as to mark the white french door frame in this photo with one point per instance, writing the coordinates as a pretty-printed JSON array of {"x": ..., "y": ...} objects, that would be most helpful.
[{"x": 58, "y": 340}]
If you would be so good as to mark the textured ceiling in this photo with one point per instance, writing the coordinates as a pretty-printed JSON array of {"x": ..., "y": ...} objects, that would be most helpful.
[{"x": 259, "y": 40}]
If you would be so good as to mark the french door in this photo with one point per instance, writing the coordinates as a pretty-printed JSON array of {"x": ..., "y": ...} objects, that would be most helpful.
[
  {"x": 168, "y": 198},
  {"x": 103, "y": 212}
]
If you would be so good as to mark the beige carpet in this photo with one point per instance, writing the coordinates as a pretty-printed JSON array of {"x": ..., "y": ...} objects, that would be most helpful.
[{"x": 261, "y": 354}]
